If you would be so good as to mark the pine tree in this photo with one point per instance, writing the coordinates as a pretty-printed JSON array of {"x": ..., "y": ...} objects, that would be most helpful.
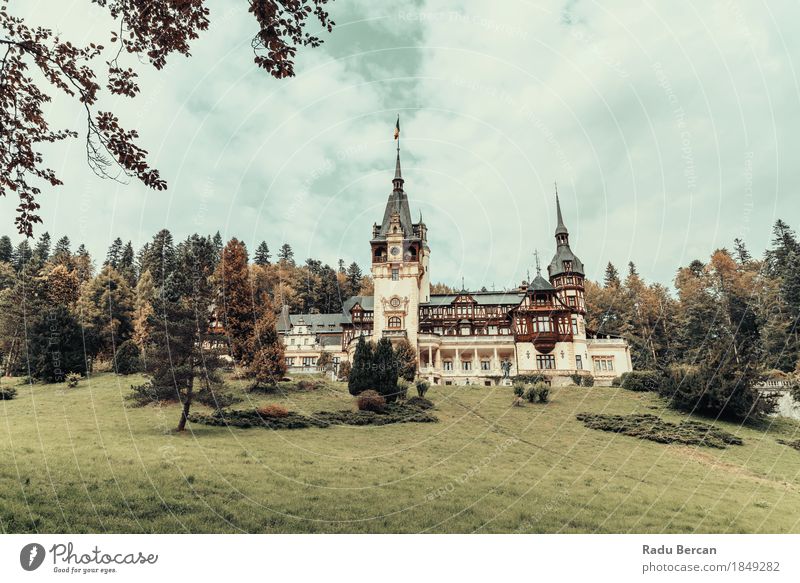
[
  {"x": 354, "y": 276},
  {"x": 143, "y": 312},
  {"x": 742, "y": 254},
  {"x": 362, "y": 373},
  {"x": 105, "y": 310},
  {"x": 127, "y": 264},
  {"x": 55, "y": 345},
  {"x": 632, "y": 269},
  {"x": 611, "y": 279},
  {"x": 266, "y": 354},
  {"x": 286, "y": 254},
  {"x": 42, "y": 250},
  {"x": 262, "y": 254},
  {"x": 21, "y": 256},
  {"x": 158, "y": 257},
  {"x": 385, "y": 370},
  {"x": 114, "y": 254},
  {"x": 6, "y": 249},
  {"x": 62, "y": 252},
  {"x": 406, "y": 358},
  {"x": 234, "y": 303},
  {"x": 63, "y": 287}
]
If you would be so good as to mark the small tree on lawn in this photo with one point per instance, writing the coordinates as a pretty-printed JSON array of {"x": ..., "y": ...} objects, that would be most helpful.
[
  {"x": 361, "y": 373},
  {"x": 406, "y": 359},
  {"x": 325, "y": 362},
  {"x": 267, "y": 357},
  {"x": 385, "y": 370}
]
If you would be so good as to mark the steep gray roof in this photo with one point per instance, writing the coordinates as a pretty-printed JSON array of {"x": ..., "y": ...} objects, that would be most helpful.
[
  {"x": 367, "y": 302},
  {"x": 564, "y": 253},
  {"x": 397, "y": 202},
  {"x": 319, "y": 322},
  {"x": 482, "y": 298},
  {"x": 540, "y": 284}
]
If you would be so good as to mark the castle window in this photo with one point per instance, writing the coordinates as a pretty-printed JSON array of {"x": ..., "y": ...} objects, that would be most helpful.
[
  {"x": 466, "y": 365},
  {"x": 465, "y": 330},
  {"x": 545, "y": 361},
  {"x": 395, "y": 322},
  {"x": 448, "y": 365},
  {"x": 485, "y": 365},
  {"x": 603, "y": 363},
  {"x": 575, "y": 325},
  {"x": 569, "y": 280},
  {"x": 542, "y": 324},
  {"x": 395, "y": 274},
  {"x": 571, "y": 301},
  {"x": 290, "y": 361},
  {"x": 309, "y": 360},
  {"x": 568, "y": 266},
  {"x": 578, "y": 362}
]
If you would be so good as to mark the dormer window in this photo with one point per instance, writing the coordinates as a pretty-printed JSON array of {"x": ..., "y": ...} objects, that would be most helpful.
[{"x": 567, "y": 265}]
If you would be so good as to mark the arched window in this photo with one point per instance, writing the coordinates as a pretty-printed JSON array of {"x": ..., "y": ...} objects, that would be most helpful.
[{"x": 394, "y": 322}]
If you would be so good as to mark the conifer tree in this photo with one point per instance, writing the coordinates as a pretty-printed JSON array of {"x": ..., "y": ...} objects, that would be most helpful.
[
  {"x": 265, "y": 350},
  {"x": 234, "y": 303},
  {"x": 385, "y": 369},
  {"x": 362, "y": 373},
  {"x": 114, "y": 253},
  {"x": 105, "y": 310},
  {"x": 6, "y": 249},
  {"x": 262, "y": 254},
  {"x": 406, "y": 358},
  {"x": 611, "y": 279},
  {"x": 286, "y": 254}
]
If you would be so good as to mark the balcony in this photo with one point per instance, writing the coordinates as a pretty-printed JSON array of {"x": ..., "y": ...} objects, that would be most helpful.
[{"x": 392, "y": 333}]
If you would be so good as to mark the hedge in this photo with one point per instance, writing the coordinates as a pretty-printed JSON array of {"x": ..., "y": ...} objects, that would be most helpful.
[
  {"x": 653, "y": 428},
  {"x": 640, "y": 380},
  {"x": 394, "y": 413}
]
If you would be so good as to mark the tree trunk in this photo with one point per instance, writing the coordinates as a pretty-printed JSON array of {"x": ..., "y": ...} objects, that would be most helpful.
[{"x": 187, "y": 404}]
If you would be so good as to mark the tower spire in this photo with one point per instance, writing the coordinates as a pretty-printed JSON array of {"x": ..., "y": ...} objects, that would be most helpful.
[
  {"x": 560, "y": 227},
  {"x": 398, "y": 175},
  {"x": 538, "y": 267}
]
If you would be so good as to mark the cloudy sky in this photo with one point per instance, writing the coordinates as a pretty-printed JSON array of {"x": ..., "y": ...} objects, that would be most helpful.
[{"x": 671, "y": 128}]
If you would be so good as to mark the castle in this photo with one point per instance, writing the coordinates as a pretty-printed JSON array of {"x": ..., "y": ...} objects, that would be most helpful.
[{"x": 466, "y": 337}]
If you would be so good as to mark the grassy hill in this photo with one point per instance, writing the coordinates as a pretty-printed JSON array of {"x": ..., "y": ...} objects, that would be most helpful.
[{"x": 81, "y": 460}]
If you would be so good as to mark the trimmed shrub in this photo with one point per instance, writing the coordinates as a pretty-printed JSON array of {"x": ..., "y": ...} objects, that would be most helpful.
[
  {"x": 273, "y": 411},
  {"x": 402, "y": 389},
  {"x": 640, "y": 380},
  {"x": 126, "y": 358},
  {"x": 519, "y": 390},
  {"x": 422, "y": 388},
  {"x": 617, "y": 381},
  {"x": 371, "y": 401},
  {"x": 542, "y": 392},
  {"x": 343, "y": 374},
  {"x": 580, "y": 380},
  {"x": 7, "y": 393},
  {"x": 420, "y": 403},
  {"x": 530, "y": 379},
  {"x": 216, "y": 397},
  {"x": 72, "y": 379},
  {"x": 310, "y": 384},
  {"x": 531, "y": 393}
]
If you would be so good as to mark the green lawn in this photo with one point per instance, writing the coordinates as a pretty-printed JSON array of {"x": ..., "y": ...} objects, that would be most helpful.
[{"x": 81, "y": 460}]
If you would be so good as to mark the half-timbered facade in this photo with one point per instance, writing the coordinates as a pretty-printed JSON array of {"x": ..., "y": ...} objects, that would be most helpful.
[{"x": 468, "y": 337}]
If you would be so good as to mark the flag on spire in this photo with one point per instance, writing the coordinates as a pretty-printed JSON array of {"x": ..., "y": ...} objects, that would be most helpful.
[{"x": 397, "y": 129}]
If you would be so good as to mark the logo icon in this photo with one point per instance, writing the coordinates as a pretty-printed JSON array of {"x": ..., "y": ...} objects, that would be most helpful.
[{"x": 31, "y": 556}]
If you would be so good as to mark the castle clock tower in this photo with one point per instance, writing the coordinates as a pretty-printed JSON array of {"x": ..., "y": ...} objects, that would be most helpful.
[{"x": 400, "y": 256}]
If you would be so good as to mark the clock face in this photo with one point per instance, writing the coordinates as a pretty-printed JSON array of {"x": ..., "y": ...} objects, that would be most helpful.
[
  {"x": 395, "y": 302},
  {"x": 395, "y": 251}
]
